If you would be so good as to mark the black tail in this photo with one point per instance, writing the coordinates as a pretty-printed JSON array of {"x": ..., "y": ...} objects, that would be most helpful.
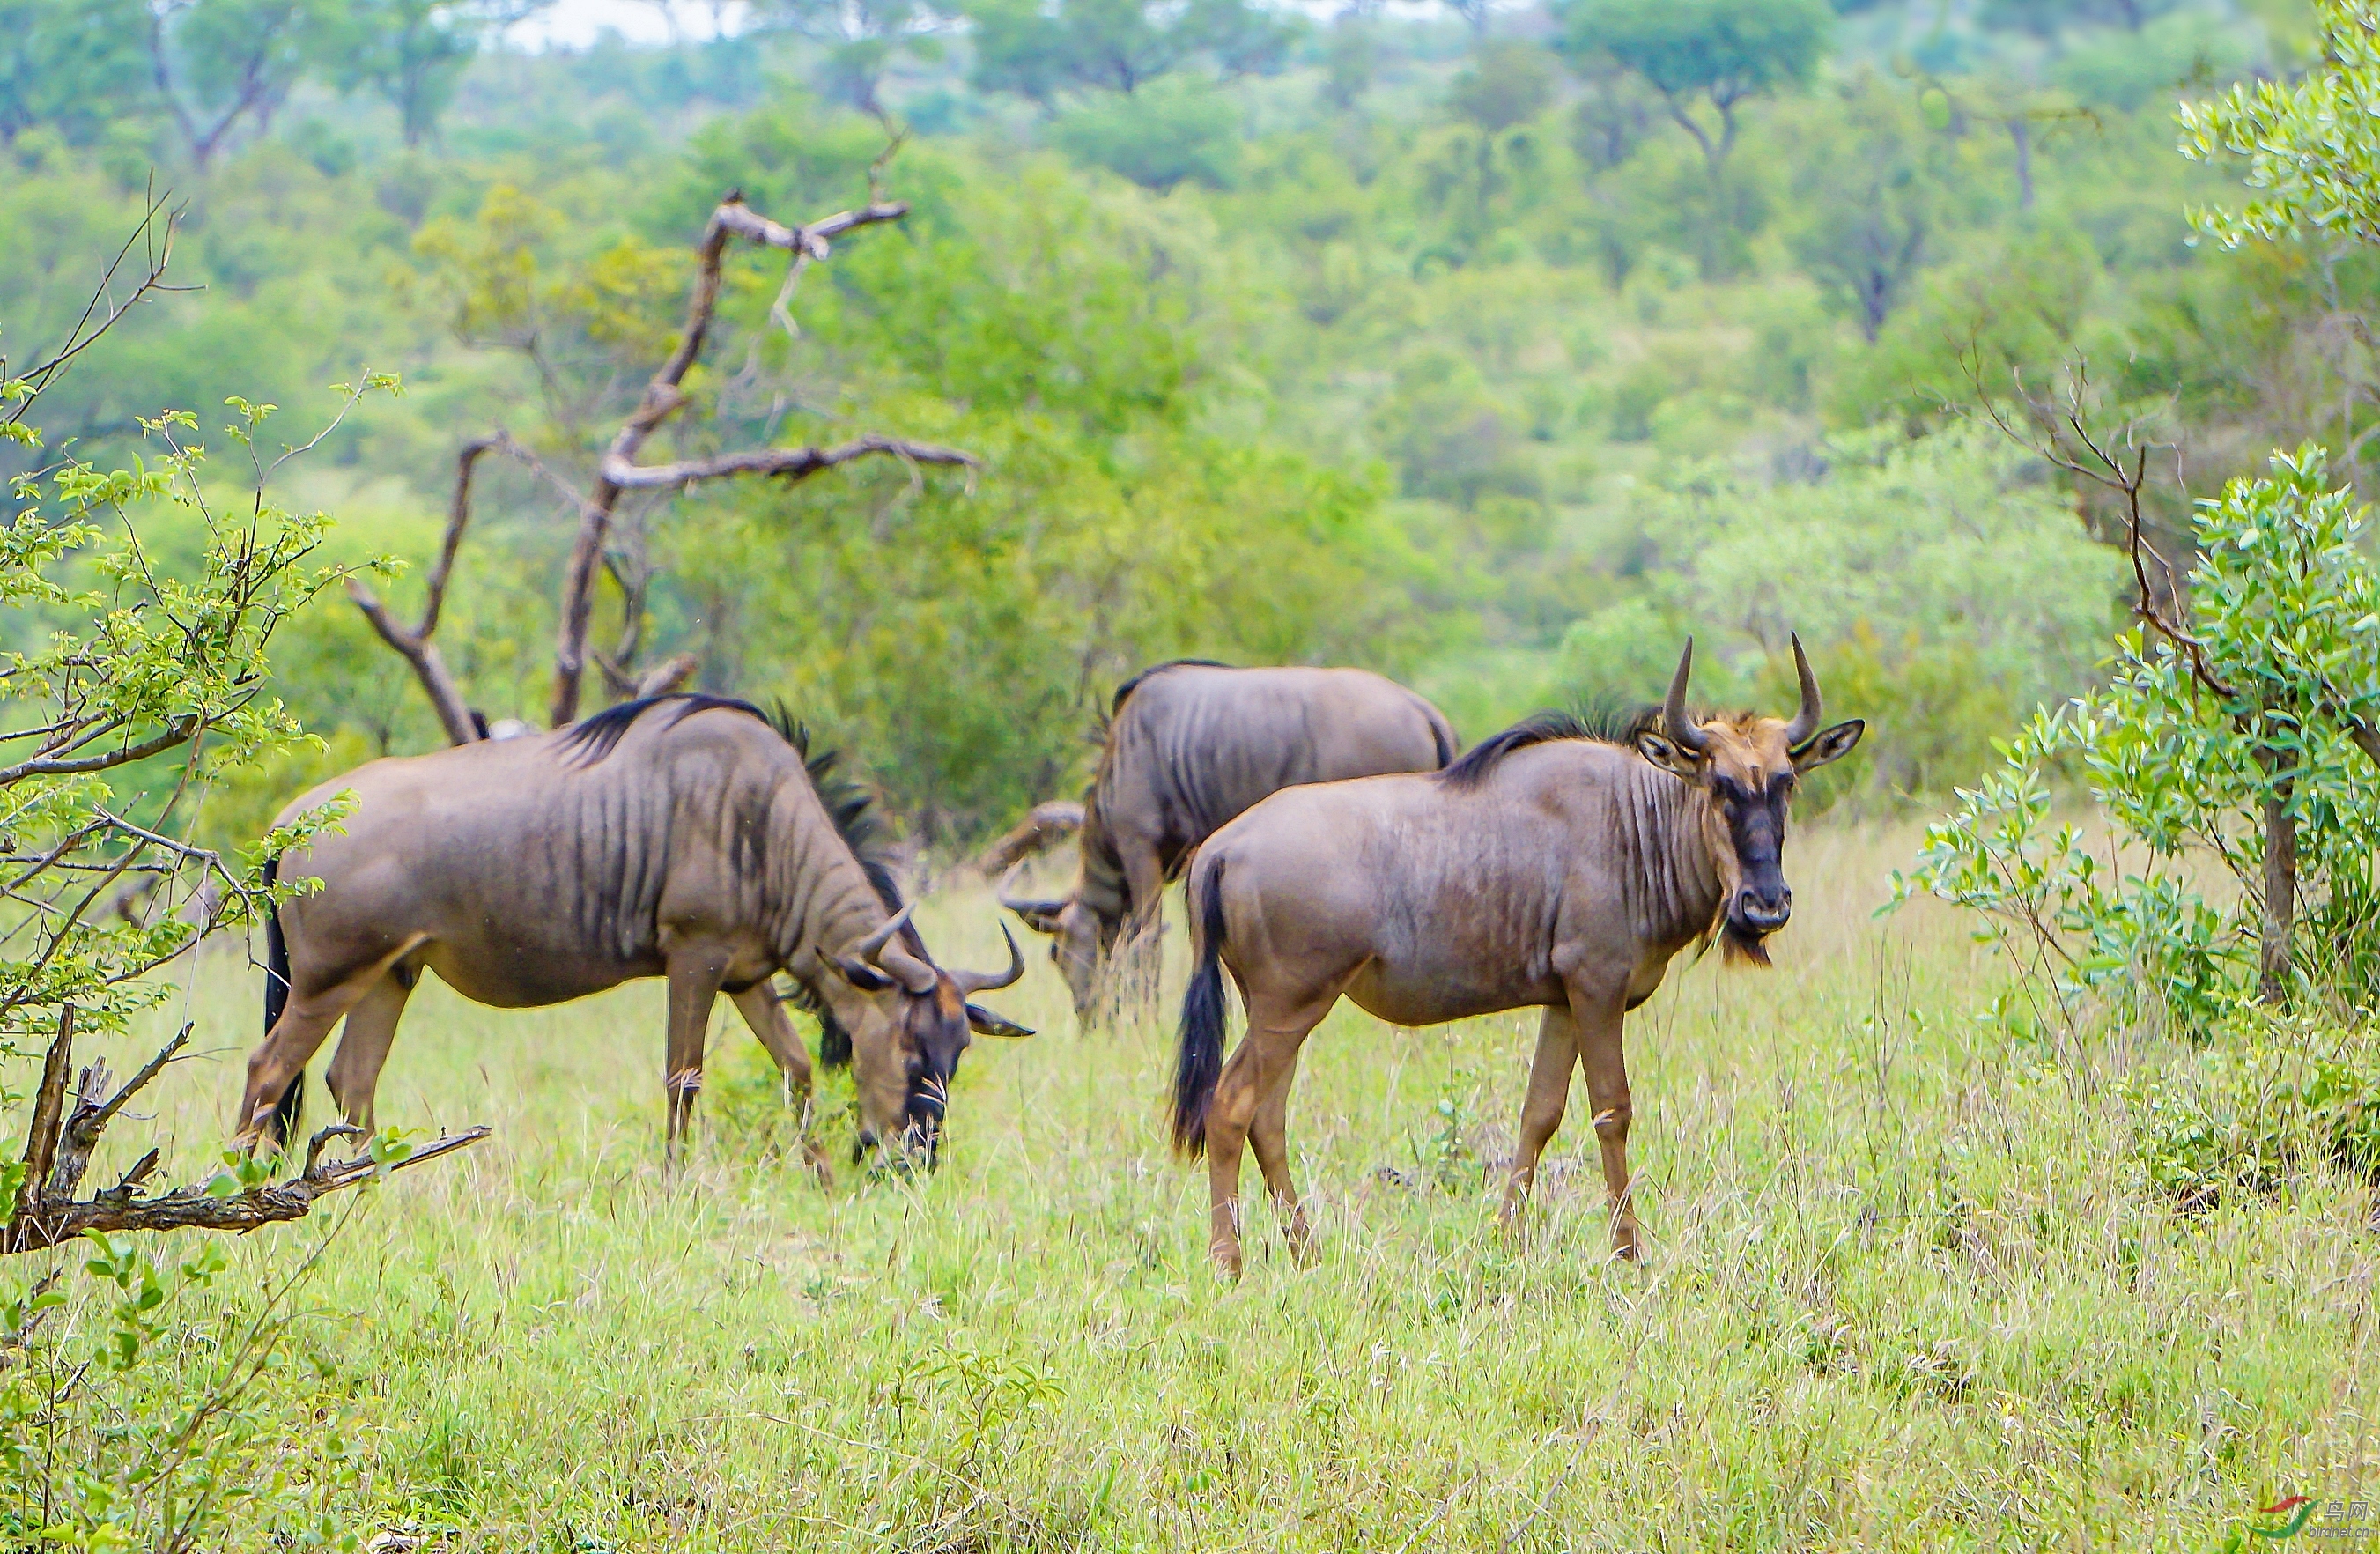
[
  {"x": 276, "y": 998},
  {"x": 1443, "y": 732},
  {"x": 1199, "y": 1063}
]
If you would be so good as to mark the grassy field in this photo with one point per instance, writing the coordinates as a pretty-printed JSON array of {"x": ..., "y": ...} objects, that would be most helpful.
[{"x": 1907, "y": 1290}]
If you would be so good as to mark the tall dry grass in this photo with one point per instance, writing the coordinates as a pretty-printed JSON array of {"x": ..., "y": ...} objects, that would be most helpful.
[{"x": 1907, "y": 1290}]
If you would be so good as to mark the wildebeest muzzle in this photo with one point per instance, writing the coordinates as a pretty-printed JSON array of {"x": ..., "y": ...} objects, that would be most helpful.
[{"x": 1763, "y": 902}]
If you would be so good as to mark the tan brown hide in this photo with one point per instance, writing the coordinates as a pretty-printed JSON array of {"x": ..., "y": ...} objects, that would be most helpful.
[
  {"x": 1188, "y": 746},
  {"x": 682, "y": 837},
  {"x": 1556, "y": 866}
]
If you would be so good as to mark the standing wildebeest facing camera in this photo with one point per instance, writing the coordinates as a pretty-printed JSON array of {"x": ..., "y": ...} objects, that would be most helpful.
[
  {"x": 1189, "y": 746},
  {"x": 685, "y": 837},
  {"x": 1555, "y": 865}
]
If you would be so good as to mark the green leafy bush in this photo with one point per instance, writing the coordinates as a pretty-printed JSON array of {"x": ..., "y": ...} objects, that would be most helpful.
[
  {"x": 2252, "y": 1114},
  {"x": 2197, "y": 751}
]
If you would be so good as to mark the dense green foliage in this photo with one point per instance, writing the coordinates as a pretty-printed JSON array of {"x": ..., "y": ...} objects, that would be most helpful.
[
  {"x": 2308, "y": 157},
  {"x": 2241, "y": 724},
  {"x": 1414, "y": 352}
]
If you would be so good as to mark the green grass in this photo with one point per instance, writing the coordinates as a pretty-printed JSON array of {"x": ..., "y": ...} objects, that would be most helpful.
[{"x": 1907, "y": 1290}]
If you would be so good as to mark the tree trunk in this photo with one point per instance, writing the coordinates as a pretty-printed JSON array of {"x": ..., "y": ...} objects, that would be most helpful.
[
  {"x": 2021, "y": 132},
  {"x": 2281, "y": 884}
]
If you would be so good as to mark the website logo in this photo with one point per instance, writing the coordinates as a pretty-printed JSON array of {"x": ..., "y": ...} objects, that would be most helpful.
[{"x": 2299, "y": 1508}]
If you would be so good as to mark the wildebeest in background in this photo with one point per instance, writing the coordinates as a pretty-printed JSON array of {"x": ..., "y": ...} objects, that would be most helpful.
[
  {"x": 681, "y": 837},
  {"x": 1188, "y": 746},
  {"x": 1556, "y": 865}
]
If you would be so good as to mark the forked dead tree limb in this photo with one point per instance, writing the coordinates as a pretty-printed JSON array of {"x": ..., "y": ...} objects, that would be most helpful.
[
  {"x": 60, "y": 1141},
  {"x": 617, "y": 473},
  {"x": 1045, "y": 826},
  {"x": 2059, "y": 431},
  {"x": 413, "y": 643}
]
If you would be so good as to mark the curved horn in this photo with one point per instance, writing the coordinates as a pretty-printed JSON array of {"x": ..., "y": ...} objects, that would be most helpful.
[
  {"x": 867, "y": 948},
  {"x": 915, "y": 976},
  {"x": 883, "y": 950},
  {"x": 1674, "y": 721},
  {"x": 1038, "y": 912},
  {"x": 972, "y": 982},
  {"x": 1805, "y": 722},
  {"x": 1026, "y": 906}
]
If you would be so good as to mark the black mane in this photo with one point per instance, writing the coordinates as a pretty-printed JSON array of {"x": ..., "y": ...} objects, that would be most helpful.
[
  {"x": 846, "y": 803},
  {"x": 590, "y": 739},
  {"x": 1617, "y": 725}
]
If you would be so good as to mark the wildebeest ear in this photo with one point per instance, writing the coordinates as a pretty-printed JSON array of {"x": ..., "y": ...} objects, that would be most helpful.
[
  {"x": 986, "y": 1023},
  {"x": 1659, "y": 749},
  {"x": 1827, "y": 744},
  {"x": 860, "y": 975}
]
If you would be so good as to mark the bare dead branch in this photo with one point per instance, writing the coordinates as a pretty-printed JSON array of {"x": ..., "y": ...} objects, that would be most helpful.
[
  {"x": 666, "y": 676},
  {"x": 617, "y": 681},
  {"x": 445, "y": 695},
  {"x": 789, "y": 464},
  {"x": 2059, "y": 432},
  {"x": 191, "y": 1208},
  {"x": 458, "y": 518},
  {"x": 413, "y": 643},
  {"x": 49, "y": 1100},
  {"x": 91, "y": 1116},
  {"x": 618, "y": 471},
  {"x": 1044, "y": 827},
  {"x": 58, "y": 1151}
]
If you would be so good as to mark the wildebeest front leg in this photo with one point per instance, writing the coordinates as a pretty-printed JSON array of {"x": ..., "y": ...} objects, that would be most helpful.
[
  {"x": 694, "y": 979},
  {"x": 1541, "y": 1113},
  {"x": 1140, "y": 945},
  {"x": 1598, "y": 1021},
  {"x": 766, "y": 1016}
]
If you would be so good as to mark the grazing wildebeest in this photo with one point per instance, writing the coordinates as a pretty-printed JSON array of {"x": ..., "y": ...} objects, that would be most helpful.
[
  {"x": 1554, "y": 865},
  {"x": 1188, "y": 746},
  {"x": 681, "y": 837}
]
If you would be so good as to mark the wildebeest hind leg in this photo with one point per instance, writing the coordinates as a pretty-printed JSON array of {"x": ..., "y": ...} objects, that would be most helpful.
[
  {"x": 363, "y": 1046},
  {"x": 1268, "y": 1137},
  {"x": 761, "y": 1011},
  {"x": 1260, "y": 1067},
  {"x": 305, "y": 1021},
  {"x": 1541, "y": 1113}
]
